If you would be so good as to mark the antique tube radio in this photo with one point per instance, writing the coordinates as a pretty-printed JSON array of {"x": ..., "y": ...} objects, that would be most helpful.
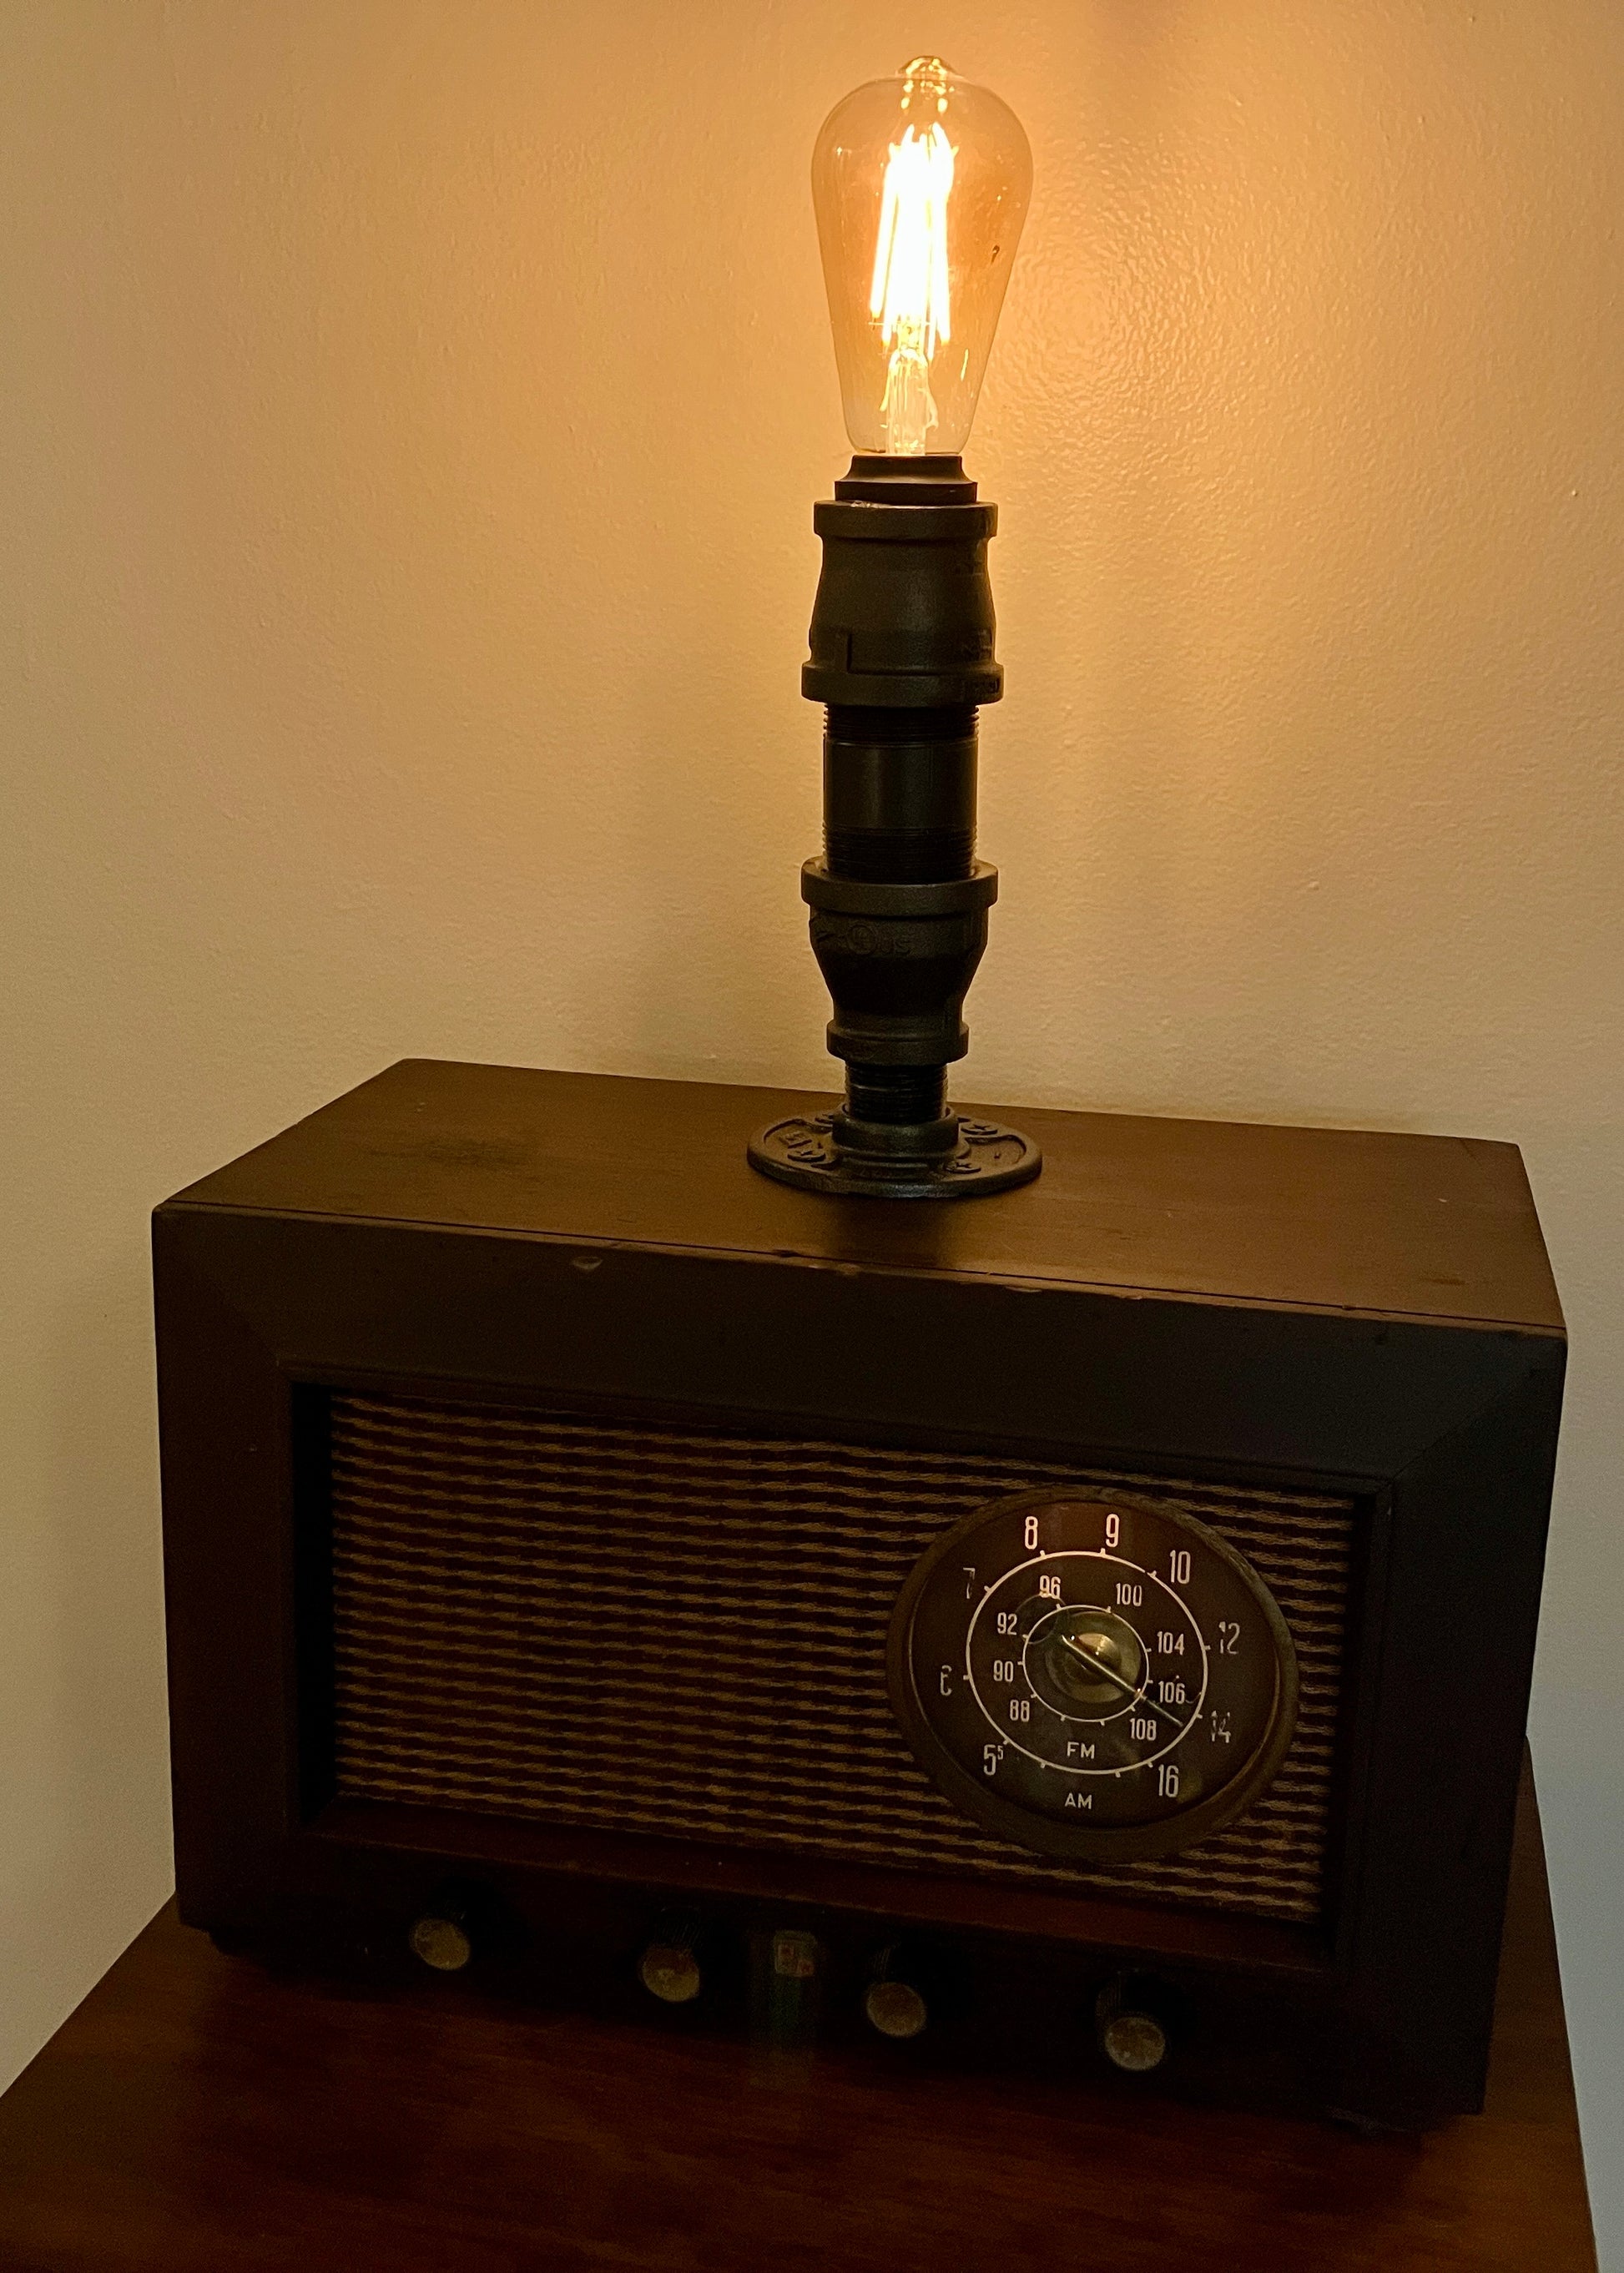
[
  {"x": 1090, "y": 1626},
  {"x": 1061, "y": 1593}
]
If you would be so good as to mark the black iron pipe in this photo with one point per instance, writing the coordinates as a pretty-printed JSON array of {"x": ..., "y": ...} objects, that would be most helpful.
[{"x": 901, "y": 655}]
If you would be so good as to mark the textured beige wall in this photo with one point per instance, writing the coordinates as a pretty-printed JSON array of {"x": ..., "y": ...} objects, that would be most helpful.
[{"x": 410, "y": 415}]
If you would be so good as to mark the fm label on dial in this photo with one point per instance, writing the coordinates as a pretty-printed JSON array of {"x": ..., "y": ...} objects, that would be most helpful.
[{"x": 1094, "y": 1678}]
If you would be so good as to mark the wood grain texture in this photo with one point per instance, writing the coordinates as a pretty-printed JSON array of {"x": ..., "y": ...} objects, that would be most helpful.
[
  {"x": 197, "y": 2115},
  {"x": 1331, "y": 1218}
]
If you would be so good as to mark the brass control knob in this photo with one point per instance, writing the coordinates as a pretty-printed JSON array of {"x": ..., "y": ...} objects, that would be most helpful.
[
  {"x": 896, "y": 2008},
  {"x": 1094, "y": 1658},
  {"x": 441, "y": 1942},
  {"x": 670, "y": 1971},
  {"x": 1134, "y": 2042},
  {"x": 1130, "y": 2025}
]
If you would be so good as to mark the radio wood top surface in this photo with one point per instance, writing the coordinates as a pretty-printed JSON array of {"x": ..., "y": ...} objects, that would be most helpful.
[
  {"x": 1432, "y": 1228},
  {"x": 197, "y": 2115}
]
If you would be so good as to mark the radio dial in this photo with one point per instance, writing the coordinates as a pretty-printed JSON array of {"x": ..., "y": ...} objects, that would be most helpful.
[{"x": 1097, "y": 1678}]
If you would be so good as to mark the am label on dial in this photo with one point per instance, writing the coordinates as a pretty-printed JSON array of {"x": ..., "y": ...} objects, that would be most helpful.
[{"x": 1093, "y": 1676}]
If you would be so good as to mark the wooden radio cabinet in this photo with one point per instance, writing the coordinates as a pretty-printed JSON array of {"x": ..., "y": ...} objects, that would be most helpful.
[{"x": 541, "y": 1486}]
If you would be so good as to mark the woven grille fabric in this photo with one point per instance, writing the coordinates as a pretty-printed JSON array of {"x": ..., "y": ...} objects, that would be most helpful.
[{"x": 670, "y": 1632}]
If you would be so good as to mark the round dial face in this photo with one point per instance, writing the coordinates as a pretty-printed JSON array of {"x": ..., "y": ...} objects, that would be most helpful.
[{"x": 1098, "y": 1678}]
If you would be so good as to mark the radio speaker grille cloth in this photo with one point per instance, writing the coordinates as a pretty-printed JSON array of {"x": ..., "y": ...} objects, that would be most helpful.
[{"x": 674, "y": 1633}]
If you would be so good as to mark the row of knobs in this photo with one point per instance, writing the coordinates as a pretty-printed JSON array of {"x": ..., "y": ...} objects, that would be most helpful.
[
  {"x": 896, "y": 2008},
  {"x": 1131, "y": 2035}
]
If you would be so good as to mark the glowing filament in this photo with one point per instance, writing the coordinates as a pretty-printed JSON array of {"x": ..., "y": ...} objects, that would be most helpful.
[
  {"x": 909, "y": 296},
  {"x": 910, "y": 257}
]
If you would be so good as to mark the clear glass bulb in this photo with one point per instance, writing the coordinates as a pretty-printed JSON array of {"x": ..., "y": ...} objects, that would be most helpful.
[{"x": 921, "y": 184}]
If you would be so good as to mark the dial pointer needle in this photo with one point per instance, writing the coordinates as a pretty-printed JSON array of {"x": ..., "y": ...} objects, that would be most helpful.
[{"x": 1098, "y": 1665}]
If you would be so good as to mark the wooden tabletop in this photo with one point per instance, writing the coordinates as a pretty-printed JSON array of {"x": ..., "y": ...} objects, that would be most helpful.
[{"x": 198, "y": 2116}]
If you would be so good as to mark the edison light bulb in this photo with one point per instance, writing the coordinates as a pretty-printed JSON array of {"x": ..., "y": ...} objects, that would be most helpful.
[{"x": 921, "y": 184}]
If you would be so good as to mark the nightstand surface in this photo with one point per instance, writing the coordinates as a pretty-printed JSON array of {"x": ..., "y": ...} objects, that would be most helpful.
[{"x": 197, "y": 2115}]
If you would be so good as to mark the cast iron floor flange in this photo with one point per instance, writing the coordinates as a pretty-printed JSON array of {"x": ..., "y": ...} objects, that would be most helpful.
[{"x": 803, "y": 1152}]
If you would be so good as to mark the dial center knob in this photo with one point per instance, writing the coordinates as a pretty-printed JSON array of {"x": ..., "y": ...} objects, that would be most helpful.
[
  {"x": 1089, "y": 1643},
  {"x": 1092, "y": 1659}
]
